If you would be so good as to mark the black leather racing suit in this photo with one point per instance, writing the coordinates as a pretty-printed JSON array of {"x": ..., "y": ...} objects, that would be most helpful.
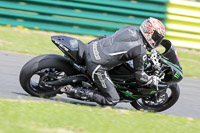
[{"x": 103, "y": 54}]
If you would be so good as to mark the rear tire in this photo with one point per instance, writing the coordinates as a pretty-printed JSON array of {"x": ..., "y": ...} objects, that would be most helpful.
[
  {"x": 175, "y": 93},
  {"x": 39, "y": 63}
]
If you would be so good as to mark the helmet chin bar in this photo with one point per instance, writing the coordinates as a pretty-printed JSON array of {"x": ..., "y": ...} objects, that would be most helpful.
[{"x": 148, "y": 47}]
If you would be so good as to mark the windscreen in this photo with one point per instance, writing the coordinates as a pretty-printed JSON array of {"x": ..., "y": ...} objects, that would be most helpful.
[{"x": 170, "y": 53}]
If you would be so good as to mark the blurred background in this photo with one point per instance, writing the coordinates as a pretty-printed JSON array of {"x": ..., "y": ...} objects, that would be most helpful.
[
  {"x": 104, "y": 17},
  {"x": 26, "y": 27}
]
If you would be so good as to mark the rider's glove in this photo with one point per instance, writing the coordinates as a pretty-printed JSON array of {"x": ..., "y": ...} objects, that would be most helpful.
[{"x": 153, "y": 82}]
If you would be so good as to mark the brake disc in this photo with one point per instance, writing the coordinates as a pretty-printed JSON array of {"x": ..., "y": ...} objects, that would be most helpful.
[{"x": 160, "y": 100}]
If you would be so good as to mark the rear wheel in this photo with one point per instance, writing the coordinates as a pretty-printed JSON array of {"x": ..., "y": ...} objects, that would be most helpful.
[
  {"x": 164, "y": 101},
  {"x": 41, "y": 69}
]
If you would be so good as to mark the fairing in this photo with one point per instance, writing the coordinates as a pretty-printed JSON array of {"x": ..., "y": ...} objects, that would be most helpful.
[
  {"x": 170, "y": 58},
  {"x": 170, "y": 53}
]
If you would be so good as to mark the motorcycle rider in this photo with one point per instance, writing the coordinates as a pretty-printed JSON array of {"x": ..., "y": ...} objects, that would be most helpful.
[{"x": 106, "y": 52}]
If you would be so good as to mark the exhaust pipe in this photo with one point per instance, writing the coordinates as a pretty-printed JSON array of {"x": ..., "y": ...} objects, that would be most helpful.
[{"x": 77, "y": 79}]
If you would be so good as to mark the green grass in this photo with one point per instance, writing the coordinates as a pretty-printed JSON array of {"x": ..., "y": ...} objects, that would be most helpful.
[
  {"x": 20, "y": 116},
  {"x": 190, "y": 62},
  {"x": 26, "y": 41}
]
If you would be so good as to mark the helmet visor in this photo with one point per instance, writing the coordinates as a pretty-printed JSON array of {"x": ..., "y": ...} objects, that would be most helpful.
[{"x": 157, "y": 38}]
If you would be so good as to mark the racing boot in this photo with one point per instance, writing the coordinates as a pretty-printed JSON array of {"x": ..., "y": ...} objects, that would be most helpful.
[{"x": 79, "y": 92}]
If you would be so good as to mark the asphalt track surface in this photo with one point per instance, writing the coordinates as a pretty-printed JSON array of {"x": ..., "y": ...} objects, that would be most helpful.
[{"x": 188, "y": 104}]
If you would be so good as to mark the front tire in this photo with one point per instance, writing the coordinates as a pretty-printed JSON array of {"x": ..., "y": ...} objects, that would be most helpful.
[
  {"x": 44, "y": 68},
  {"x": 172, "y": 99}
]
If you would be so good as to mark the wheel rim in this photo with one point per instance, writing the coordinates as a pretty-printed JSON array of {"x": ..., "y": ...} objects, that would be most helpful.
[
  {"x": 149, "y": 104},
  {"x": 38, "y": 79}
]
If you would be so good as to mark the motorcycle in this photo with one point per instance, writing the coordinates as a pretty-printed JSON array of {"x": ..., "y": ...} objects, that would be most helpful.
[{"x": 48, "y": 75}]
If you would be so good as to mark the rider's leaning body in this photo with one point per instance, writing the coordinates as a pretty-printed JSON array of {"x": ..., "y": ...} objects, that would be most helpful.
[{"x": 107, "y": 52}]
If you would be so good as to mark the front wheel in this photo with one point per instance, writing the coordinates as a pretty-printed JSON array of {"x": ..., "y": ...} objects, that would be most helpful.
[
  {"x": 165, "y": 101},
  {"x": 41, "y": 69}
]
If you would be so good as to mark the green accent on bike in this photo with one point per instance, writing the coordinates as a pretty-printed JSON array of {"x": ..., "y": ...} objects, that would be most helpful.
[
  {"x": 70, "y": 60},
  {"x": 152, "y": 92},
  {"x": 172, "y": 64},
  {"x": 114, "y": 85},
  {"x": 132, "y": 96},
  {"x": 146, "y": 63},
  {"x": 176, "y": 75}
]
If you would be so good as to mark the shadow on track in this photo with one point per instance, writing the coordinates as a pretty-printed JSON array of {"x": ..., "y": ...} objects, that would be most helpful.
[{"x": 65, "y": 100}]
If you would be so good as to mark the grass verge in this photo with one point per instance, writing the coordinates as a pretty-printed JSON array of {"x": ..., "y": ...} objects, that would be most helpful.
[
  {"x": 27, "y": 41},
  {"x": 40, "y": 116},
  {"x": 23, "y": 40}
]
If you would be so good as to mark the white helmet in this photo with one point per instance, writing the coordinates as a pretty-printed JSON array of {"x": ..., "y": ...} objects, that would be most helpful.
[{"x": 153, "y": 31}]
